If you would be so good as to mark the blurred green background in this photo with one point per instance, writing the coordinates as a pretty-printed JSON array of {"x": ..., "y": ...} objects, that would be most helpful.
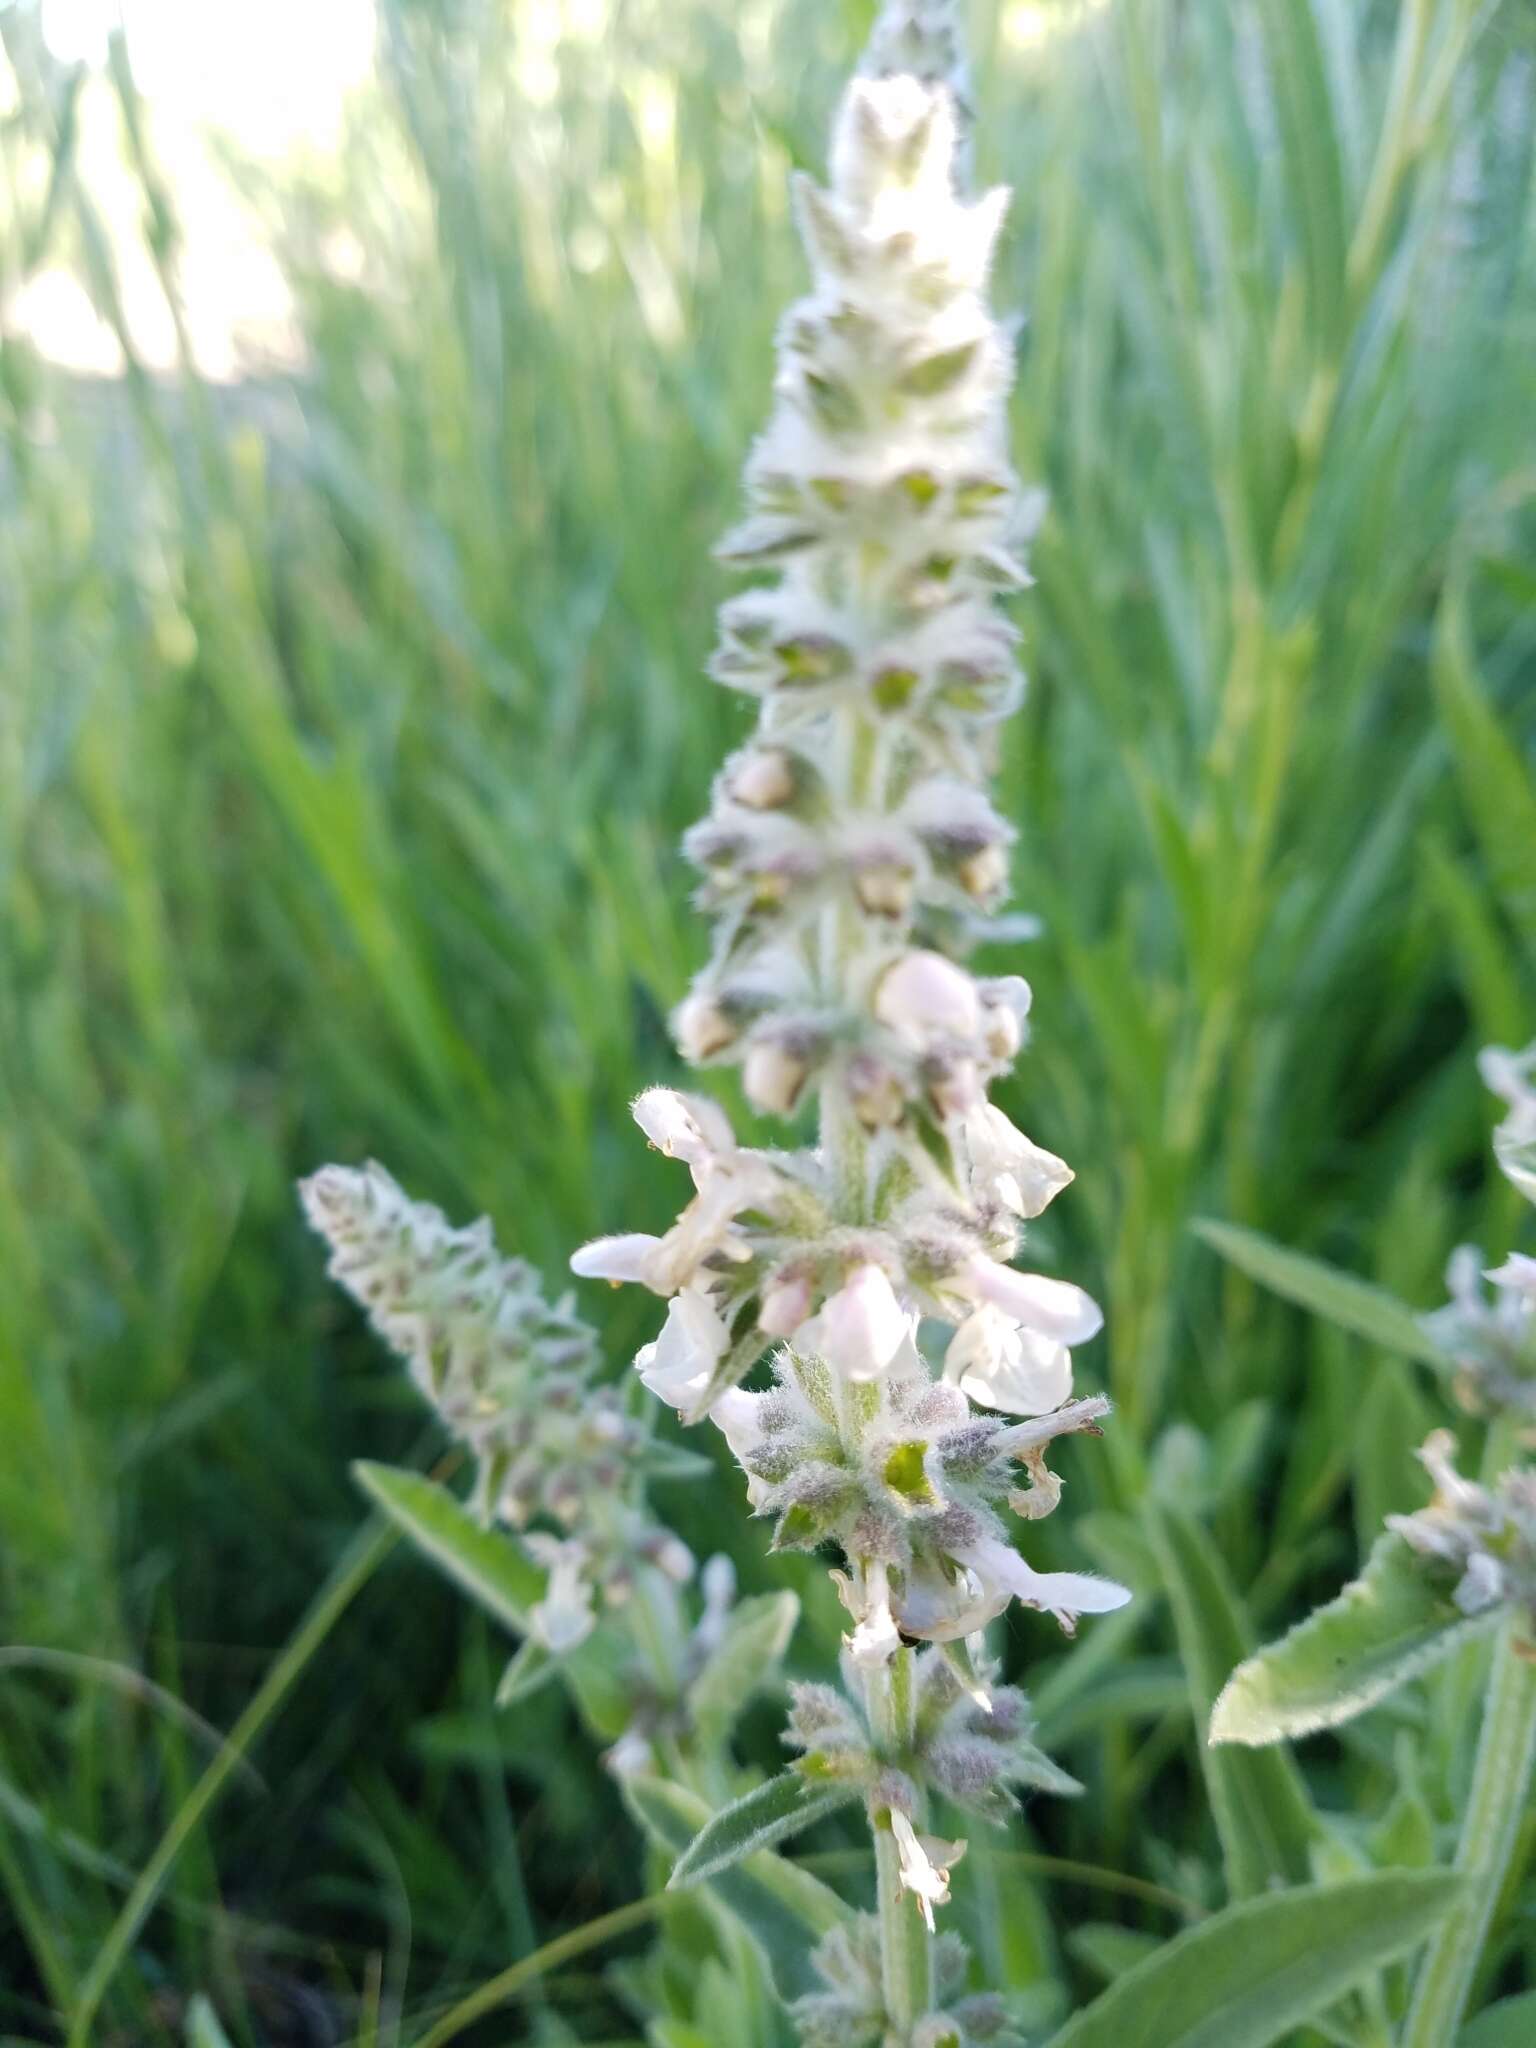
[{"x": 351, "y": 711}]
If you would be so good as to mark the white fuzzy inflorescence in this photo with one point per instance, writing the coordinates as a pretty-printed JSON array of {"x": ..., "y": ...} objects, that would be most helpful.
[
  {"x": 851, "y": 858},
  {"x": 1487, "y": 1330},
  {"x": 511, "y": 1375}
]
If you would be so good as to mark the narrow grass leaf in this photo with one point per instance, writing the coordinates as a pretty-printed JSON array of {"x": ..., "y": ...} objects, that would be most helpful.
[
  {"x": 1352, "y": 1304},
  {"x": 1262, "y": 1812},
  {"x": 203, "y": 2028}
]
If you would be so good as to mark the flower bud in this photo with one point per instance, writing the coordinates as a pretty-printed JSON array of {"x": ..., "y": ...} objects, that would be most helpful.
[
  {"x": 925, "y": 997},
  {"x": 688, "y": 1127},
  {"x": 954, "y": 1087},
  {"x": 762, "y": 779},
  {"x": 785, "y": 1304},
  {"x": 773, "y": 1074},
  {"x": 627, "y": 1257},
  {"x": 877, "y": 1095},
  {"x": 701, "y": 1027},
  {"x": 883, "y": 889},
  {"x": 984, "y": 873}
]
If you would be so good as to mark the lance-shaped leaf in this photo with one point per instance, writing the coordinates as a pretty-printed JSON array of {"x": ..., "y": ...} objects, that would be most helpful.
[
  {"x": 1247, "y": 1977},
  {"x": 767, "y": 1814},
  {"x": 744, "y": 1661},
  {"x": 484, "y": 1562},
  {"x": 1387, "y": 1626},
  {"x": 785, "y": 1909},
  {"x": 661, "y": 1461},
  {"x": 1509, "y": 2024},
  {"x": 531, "y": 1667},
  {"x": 1354, "y": 1305},
  {"x": 488, "y": 1565}
]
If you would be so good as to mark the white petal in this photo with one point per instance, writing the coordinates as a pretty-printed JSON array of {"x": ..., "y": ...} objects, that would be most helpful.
[
  {"x": 862, "y": 1327},
  {"x": 678, "y": 1366},
  {"x": 1053, "y": 1307},
  {"x": 1001, "y": 1366},
  {"x": 735, "y": 1414},
  {"x": 1517, "y": 1275},
  {"x": 1024, "y": 1176},
  {"x": 1063, "y": 1594},
  {"x": 688, "y": 1127},
  {"x": 876, "y": 1639},
  {"x": 617, "y": 1258}
]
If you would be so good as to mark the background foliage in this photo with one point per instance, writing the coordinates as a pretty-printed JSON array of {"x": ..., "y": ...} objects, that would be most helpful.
[{"x": 349, "y": 724}]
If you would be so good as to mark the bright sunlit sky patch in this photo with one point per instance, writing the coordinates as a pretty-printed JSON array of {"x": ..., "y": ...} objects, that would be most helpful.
[{"x": 273, "y": 76}]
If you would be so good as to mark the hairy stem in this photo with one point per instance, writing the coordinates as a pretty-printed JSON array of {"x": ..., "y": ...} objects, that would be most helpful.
[
  {"x": 1489, "y": 1833},
  {"x": 905, "y": 1944}
]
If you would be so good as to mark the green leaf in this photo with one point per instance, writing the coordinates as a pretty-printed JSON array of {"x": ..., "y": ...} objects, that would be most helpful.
[
  {"x": 1509, "y": 2024},
  {"x": 1386, "y": 1627},
  {"x": 1249, "y": 1975},
  {"x": 531, "y": 1667},
  {"x": 1352, "y": 1304},
  {"x": 1262, "y": 1812},
  {"x": 782, "y": 1806},
  {"x": 1497, "y": 783},
  {"x": 663, "y": 1461},
  {"x": 488, "y": 1566},
  {"x": 744, "y": 1661},
  {"x": 1110, "y": 1951},
  {"x": 203, "y": 2028},
  {"x": 1029, "y": 1765},
  {"x": 484, "y": 1563},
  {"x": 785, "y": 1909}
]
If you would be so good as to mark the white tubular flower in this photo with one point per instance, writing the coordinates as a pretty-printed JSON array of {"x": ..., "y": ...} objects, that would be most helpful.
[
  {"x": 564, "y": 1617},
  {"x": 925, "y": 1864},
  {"x": 1051, "y": 1308},
  {"x": 631, "y": 1256},
  {"x": 875, "y": 1638},
  {"x": 1002, "y": 1365},
  {"x": 862, "y": 1329},
  {"x": 678, "y": 1365},
  {"x": 1007, "y": 1167},
  {"x": 632, "y": 1755},
  {"x": 687, "y": 1127},
  {"x": 1513, "y": 1076},
  {"x": 1063, "y": 1595},
  {"x": 1483, "y": 1537},
  {"x": 1516, "y": 1278}
]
